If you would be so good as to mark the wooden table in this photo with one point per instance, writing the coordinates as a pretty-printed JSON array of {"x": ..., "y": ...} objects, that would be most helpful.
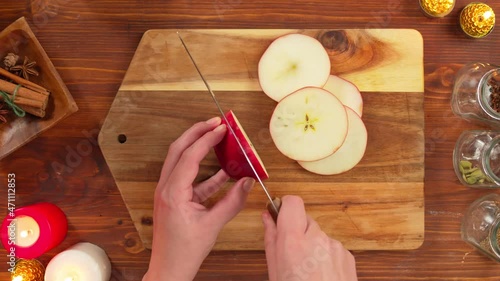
[{"x": 91, "y": 45}]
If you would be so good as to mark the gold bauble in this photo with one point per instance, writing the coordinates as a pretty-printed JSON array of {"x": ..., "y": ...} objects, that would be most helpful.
[
  {"x": 28, "y": 270},
  {"x": 477, "y": 19},
  {"x": 437, "y": 8}
]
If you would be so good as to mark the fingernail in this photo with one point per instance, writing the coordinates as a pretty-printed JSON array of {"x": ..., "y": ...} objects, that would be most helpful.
[
  {"x": 220, "y": 128},
  {"x": 248, "y": 184},
  {"x": 213, "y": 121}
]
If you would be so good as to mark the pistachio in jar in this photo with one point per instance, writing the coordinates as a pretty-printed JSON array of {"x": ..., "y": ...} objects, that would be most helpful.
[
  {"x": 476, "y": 159},
  {"x": 472, "y": 174}
]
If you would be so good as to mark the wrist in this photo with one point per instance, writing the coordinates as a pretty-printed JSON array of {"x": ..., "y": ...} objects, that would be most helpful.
[
  {"x": 156, "y": 275},
  {"x": 163, "y": 269}
]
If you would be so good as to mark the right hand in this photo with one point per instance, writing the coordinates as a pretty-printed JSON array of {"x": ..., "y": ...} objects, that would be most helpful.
[{"x": 297, "y": 249}]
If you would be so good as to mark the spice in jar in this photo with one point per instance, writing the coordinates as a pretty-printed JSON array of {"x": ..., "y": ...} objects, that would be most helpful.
[
  {"x": 494, "y": 85},
  {"x": 481, "y": 225},
  {"x": 489, "y": 243},
  {"x": 476, "y": 93},
  {"x": 472, "y": 174},
  {"x": 476, "y": 158}
]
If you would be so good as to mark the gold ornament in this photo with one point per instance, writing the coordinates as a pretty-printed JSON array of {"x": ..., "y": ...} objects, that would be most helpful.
[
  {"x": 437, "y": 8},
  {"x": 28, "y": 270},
  {"x": 477, "y": 20}
]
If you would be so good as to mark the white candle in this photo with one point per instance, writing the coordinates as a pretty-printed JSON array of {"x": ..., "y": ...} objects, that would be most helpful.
[
  {"x": 27, "y": 231},
  {"x": 81, "y": 262}
]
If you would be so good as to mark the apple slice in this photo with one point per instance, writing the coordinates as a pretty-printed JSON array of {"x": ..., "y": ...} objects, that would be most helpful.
[
  {"x": 292, "y": 62},
  {"x": 309, "y": 124},
  {"x": 231, "y": 158},
  {"x": 346, "y": 92},
  {"x": 348, "y": 155}
]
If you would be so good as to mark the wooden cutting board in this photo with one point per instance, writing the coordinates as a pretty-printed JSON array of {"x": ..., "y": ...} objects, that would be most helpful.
[{"x": 377, "y": 205}]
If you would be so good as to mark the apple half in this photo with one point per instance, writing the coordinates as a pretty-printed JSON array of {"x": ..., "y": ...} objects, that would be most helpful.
[
  {"x": 292, "y": 62},
  {"x": 309, "y": 124},
  {"x": 346, "y": 92},
  {"x": 348, "y": 155},
  {"x": 230, "y": 156}
]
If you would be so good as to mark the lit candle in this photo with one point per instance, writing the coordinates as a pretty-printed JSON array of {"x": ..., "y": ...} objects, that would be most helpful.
[
  {"x": 81, "y": 262},
  {"x": 33, "y": 230},
  {"x": 27, "y": 230}
]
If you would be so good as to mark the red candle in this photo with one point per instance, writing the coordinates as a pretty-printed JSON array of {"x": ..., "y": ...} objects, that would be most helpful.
[{"x": 33, "y": 230}]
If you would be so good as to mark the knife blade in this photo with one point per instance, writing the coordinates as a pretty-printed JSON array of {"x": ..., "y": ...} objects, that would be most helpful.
[{"x": 276, "y": 203}]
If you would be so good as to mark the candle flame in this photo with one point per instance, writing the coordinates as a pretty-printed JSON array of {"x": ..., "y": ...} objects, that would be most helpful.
[
  {"x": 17, "y": 278},
  {"x": 69, "y": 279},
  {"x": 24, "y": 233}
]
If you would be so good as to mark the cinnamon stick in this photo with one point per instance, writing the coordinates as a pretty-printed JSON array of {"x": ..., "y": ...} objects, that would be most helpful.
[
  {"x": 22, "y": 92},
  {"x": 28, "y": 102},
  {"x": 32, "y": 100},
  {"x": 24, "y": 82},
  {"x": 33, "y": 111}
]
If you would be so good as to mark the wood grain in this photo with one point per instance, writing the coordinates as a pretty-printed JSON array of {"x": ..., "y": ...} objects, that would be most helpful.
[
  {"x": 92, "y": 45},
  {"x": 375, "y": 60},
  {"x": 386, "y": 186}
]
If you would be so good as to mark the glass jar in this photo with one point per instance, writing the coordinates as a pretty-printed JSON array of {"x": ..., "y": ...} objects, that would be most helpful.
[
  {"x": 475, "y": 92},
  {"x": 480, "y": 226},
  {"x": 476, "y": 158}
]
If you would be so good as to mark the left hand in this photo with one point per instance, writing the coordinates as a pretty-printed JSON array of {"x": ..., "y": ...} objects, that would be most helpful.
[{"x": 185, "y": 231}]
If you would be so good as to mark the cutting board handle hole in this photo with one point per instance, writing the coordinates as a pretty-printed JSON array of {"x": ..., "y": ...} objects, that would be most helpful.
[{"x": 122, "y": 138}]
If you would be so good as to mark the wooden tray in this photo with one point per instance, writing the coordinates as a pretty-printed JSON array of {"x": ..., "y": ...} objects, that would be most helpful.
[
  {"x": 19, "y": 38},
  {"x": 377, "y": 205}
]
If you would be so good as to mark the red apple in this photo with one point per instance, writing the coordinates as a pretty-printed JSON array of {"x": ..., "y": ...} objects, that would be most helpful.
[{"x": 230, "y": 156}]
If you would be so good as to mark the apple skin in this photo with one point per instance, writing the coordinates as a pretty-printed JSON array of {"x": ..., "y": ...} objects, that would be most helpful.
[{"x": 231, "y": 158}]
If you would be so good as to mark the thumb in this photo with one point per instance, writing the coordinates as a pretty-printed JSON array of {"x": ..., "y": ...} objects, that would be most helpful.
[
  {"x": 234, "y": 201},
  {"x": 270, "y": 236}
]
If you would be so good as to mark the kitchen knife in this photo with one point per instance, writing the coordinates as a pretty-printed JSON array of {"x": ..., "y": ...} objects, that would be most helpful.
[{"x": 273, "y": 206}]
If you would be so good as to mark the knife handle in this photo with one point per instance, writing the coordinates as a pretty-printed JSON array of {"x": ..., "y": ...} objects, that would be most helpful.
[{"x": 272, "y": 211}]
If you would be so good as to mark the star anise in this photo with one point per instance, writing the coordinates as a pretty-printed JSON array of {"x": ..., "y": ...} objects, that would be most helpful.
[
  {"x": 26, "y": 69},
  {"x": 3, "y": 113}
]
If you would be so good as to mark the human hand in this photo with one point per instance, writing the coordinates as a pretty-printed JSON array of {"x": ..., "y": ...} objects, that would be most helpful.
[
  {"x": 297, "y": 249},
  {"x": 184, "y": 231}
]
